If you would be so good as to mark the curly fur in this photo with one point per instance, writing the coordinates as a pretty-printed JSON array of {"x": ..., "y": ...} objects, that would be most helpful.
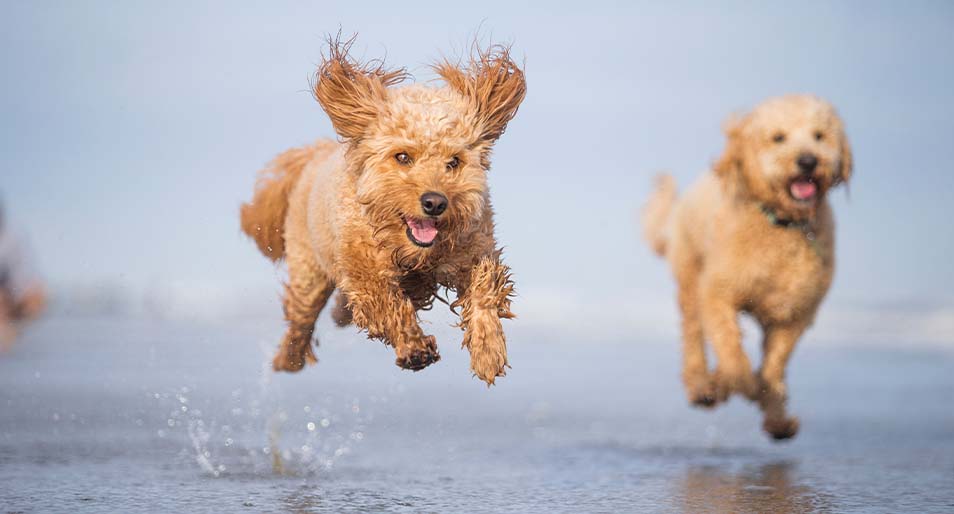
[
  {"x": 338, "y": 212},
  {"x": 739, "y": 241}
]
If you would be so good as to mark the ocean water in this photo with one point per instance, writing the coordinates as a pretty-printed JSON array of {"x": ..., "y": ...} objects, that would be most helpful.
[{"x": 107, "y": 415}]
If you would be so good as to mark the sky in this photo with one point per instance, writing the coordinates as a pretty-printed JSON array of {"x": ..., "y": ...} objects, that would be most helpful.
[{"x": 131, "y": 132}]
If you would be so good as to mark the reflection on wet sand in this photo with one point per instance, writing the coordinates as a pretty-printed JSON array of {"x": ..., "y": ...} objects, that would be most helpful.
[{"x": 765, "y": 488}]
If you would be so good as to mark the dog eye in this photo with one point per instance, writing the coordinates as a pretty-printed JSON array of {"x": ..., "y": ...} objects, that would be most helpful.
[
  {"x": 453, "y": 164},
  {"x": 778, "y": 137},
  {"x": 402, "y": 158},
  {"x": 819, "y": 135}
]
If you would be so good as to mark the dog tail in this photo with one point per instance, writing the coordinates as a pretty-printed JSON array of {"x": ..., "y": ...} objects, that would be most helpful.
[
  {"x": 656, "y": 213},
  {"x": 263, "y": 219}
]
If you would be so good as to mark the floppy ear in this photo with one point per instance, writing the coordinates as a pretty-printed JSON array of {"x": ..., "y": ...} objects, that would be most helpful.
[
  {"x": 731, "y": 160},
  {"x": 494, "y": 85},
  {"x": 846, "y": 166},
  {"x": 350, "y": 92}
]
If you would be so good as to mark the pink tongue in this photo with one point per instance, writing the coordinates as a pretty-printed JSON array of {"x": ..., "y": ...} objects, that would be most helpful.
[
  {"x": 424, "y": 230},
  {"x": 803, "y": 189}
]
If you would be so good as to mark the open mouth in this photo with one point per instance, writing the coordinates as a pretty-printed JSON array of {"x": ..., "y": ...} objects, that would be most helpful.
[
  {"x": 803, "y": 189},
  {"x": 421, "y": 232}
]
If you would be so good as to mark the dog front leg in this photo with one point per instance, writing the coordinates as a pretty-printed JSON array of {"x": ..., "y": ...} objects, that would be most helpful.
[
  {"x": 485, "y": 300},
  {"x": 777, "y": 347},
  {"x": 379, "y": 307},
  {"x": 733, "y": 372}
]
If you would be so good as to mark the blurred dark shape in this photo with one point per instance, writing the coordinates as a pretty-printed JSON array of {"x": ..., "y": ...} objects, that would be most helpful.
[{"x": 22, "y": 295}]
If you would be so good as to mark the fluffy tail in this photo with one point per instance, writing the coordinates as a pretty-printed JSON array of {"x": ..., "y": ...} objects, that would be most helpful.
[
  {"x": 263, "y": 219},
  {"x": 656, "y": 213}
]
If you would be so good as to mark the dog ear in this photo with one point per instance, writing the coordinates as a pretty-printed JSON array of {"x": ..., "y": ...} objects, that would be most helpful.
[
  {"x": 352, "y": 93},
  {"x": 731, "y": 160},
  {"x": 493, "y": 83},
  {"x": 846, "y": 166}
]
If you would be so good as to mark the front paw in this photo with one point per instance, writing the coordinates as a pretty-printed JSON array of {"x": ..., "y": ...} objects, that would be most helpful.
[
  {"x": 736, "y": 380},
  {"x": 781, "y": 428},
  {"x": 418, "y": 356},
  {"x": 487, "y": 365},
  {"x": 701, "y": 389}
]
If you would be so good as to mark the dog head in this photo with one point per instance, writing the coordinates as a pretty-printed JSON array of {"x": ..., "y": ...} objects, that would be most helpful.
[
  {"x": 420, "y": 153},
  {"x": 787, "y": 153}
]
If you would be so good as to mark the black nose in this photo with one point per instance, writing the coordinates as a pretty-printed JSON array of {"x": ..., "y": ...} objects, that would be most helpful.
[
  {"x": 433, "y": 203},
  {"x": 807, "y": 162}
]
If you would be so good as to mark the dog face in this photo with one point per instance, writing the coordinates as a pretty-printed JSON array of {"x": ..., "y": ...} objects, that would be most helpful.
[
  {"x": 787, "y": 153},
  {"x": 421, "y": 153}
]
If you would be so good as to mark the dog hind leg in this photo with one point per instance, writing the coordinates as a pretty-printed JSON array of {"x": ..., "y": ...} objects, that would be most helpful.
[
  {"x": 342, "y": 314},
  {"x": 306, "y": 293}
]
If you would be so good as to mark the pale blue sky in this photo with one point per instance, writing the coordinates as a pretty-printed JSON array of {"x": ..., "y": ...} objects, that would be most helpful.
[{"x": 131, "y": 131}]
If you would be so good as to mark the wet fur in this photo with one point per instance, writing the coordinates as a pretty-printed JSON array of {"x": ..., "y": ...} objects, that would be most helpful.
[
  {"x": 728, "y": 257},
  {"x": 335, "y": 210}
]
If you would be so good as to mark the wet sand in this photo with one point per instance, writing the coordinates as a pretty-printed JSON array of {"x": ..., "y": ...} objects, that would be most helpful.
[{"x": 104, "y": 415}]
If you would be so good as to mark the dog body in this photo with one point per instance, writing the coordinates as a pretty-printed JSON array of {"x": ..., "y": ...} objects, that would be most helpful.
[
  {"x": 754, "y": 235},
  {"x": 397, "y": 210}
]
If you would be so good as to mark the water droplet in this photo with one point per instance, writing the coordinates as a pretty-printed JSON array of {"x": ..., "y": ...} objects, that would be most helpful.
[
  {"x": 311, "y": 426},
  {"x": 171, "y": 422},
  {"x": 325, "y": 423},
  {"x": 228, "y": 441}
]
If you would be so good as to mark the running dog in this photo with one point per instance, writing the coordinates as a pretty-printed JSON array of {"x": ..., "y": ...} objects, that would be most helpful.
[
  {"x": 395, "y": 210},
  {"x": 754, "y": 235}
]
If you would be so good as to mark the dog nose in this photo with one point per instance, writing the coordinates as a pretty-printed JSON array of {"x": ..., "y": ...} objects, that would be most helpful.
[
  {"x": 433, "y": 203},
  {"x": 806, "y": 162}
]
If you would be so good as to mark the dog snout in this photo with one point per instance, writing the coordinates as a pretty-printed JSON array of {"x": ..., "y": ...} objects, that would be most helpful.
[
  {"x": 433, "y": 204},
  {"x": 807, "y": 162}
]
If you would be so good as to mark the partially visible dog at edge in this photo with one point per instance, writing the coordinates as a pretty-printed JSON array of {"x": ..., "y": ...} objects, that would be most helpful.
[
  {"x": 394, "y": 211},
  {"x": 754, "y": 235}
]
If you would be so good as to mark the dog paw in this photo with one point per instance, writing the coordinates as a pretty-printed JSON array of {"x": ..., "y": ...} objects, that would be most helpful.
[
  {"x": 488, "y": 365},
  {"x": 420, "y": 356},
  {"x": 736, "y": 380},
  {"x": 293, "y": 357},
  {"x": 701, "y": 390},
  {"x": 781, "y": 428}
]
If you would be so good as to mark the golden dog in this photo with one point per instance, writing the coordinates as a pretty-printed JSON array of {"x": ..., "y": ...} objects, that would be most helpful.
[
  {"x": 754, "y": 235},
  {"x": 396, "y": 210}
]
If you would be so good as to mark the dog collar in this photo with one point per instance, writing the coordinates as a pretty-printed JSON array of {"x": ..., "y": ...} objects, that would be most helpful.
[
  {"x": 804, "y": 225},
  {"x": 782, "y": 222}
]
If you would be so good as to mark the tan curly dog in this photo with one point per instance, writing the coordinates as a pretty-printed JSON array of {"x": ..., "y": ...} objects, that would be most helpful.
[
  {"x": 395, "y": 211},
  {"x": 754, "y": 235}
]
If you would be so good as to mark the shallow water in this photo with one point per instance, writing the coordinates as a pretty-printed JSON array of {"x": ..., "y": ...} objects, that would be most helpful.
[{"x": 134, "y": 415}]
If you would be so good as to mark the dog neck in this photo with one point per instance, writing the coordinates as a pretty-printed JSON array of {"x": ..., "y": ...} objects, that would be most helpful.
[
  {"x": 806, "y": 227},
  {"x": 779, "y": 221}
]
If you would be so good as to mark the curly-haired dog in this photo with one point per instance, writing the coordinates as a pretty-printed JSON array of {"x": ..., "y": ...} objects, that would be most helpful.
[
  {"x": 754, "y": 235},
  {"x": 396, "y": 210}
]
